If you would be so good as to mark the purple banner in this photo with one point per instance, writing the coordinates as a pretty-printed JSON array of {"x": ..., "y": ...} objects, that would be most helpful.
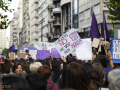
[
  {"x": 43, "y": 54},
  {"x": 55, "y": 53},
  {"x": 2, "y": 57}
]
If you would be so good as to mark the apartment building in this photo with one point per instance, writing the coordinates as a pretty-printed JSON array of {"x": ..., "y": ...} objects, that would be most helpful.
[
  {"x": 15, "y": 28},
  {"x": 2, "y": 40},
  {"x": 45, "y": 19},
  {"x": 11, "y": 33},
  {"x": 34, "y": 19},
  {"x": 20, "y": 23},
  {"x": 63, "y": 15},
  {"x": 26, "y": 24},
  {"x": 86, "y": 9}
]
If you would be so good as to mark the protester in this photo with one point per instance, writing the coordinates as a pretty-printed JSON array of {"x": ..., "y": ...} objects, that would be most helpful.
[
  {"x": 37, "y": 81},
  {"x": 95, "y": 78},
  {"x": 114, "y": 79},
  {"x": 7, "y": 67},
  {"x": 35, "y": 66},
  {"x": 14, "y": 83},
  {"x": 17, "y": 68},
  {"x": 46, "y": 71},
  {"x": 76, "y": 77},
  {"x": 55, "y": 74}
]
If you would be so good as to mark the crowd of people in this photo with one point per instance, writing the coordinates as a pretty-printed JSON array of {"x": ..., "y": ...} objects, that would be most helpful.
[{"x": 67, "y": 73}]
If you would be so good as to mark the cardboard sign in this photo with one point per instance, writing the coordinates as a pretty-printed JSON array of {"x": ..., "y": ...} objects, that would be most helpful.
[
  {"x": 68, "y": 42},
  {"x": 12, "y": 56},
  {"x": 33, "y": 53},
  {"x": 43, "y": 54},
  {"x": 55, "y": 53},
  {"x": 84, "y": 52},
  {"x": 95, "y": 42},
  {"x": 115, "y": 50},
  {"x": 21, "y": 55}
]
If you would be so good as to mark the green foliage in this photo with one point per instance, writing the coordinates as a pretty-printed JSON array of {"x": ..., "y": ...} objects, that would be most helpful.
[
  {"x": 114, "y": 10},
  {"x": 4, "y": 21},
  {"x": 5, "y": 51}
]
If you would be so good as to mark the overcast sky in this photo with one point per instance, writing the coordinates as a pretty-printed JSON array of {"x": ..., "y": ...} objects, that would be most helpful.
[{"x": 13, "y": 5}]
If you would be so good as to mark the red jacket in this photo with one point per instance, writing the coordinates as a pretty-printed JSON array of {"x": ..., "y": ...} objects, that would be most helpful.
[{"x": 51, "y": 85}]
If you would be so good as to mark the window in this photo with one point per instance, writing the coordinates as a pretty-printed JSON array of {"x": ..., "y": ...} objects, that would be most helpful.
[
  {"x": 97, "y": 9},
  {"x": 81, "y": 16},
  {"x": 87, "y": 14}
]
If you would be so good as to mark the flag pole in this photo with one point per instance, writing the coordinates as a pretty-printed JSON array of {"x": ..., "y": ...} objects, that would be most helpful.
[{"x": 105, "y": 41}]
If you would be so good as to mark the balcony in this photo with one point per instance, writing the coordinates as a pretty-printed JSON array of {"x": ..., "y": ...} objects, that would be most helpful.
[
  {"x": 50, "y": 6},
  {"x": 55, "y": 1},
  {"x": 36, "y": 36},
  {"x": 14, "y": 31},
  {"x": 57, "y": 23},
  {"x": 56, "y": 11},
  {"x": 49, "y": 35},
  {"x": 56, "y": 36},
  {"x": 50, "y": 20}
]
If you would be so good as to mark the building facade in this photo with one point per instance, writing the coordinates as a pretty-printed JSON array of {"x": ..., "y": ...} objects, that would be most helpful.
[
  {"x": 34, "y": 19},
  {"x": 86, "y": 9},
  {"x": 15, "y": 28},
  {"x": 11, "y": 33},
  {"x": 26, "y": 24},
  {"x": 2, "y": 40},
  {"x": 45, "y": 19},
  {"x": 20, "y": 23}
]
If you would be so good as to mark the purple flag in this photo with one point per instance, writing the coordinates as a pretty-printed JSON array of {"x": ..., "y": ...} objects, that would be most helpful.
[
  {"x": 55, "y": 53},
  {"x": 2, "y": 57},
  {"x": 94, "y": 32},
  {"x": 43, "y": 54},
  {"x": 105, "y": 28},
  {"x": 12, "y": 48}
]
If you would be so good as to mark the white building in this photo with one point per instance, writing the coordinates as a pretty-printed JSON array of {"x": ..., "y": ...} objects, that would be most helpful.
[
  {"x": 2, "y": 40},
  {"x": 45, "y": 9},
  {"x": 26, "y": 24},
  {"x": 20, "y": 23},
  {"x": 15, "y": 28},
  {"x": 34, "y": 21},
  {"x": 11, "y": 33}
]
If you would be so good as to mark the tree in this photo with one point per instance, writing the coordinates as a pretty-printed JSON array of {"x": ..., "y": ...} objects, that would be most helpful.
[
  {"x": 5, "y": 51},
  {"x": 4, "y": 6},
  {"x": 114, "y": 10}
]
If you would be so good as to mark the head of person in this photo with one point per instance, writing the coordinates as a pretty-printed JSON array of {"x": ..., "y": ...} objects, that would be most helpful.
[
  {"x": 22, "y": 74},
  {"x": 95, "y": 77},
  {"x": 76, "y": 77},
  {"x": 26, "y": 70},
  {"x": 7, "y": 57},
  {"x": 97, "y": 65},
  {"x": 45, "y": 71},
  {"x": 103, "y": 60},
  {"x": 114, "y": 79},
  {"x": 55, "y": 66},
  {"x": 34, "y": 67},
  {"x": 37, "y": 81},
  {"x": 17, "y": 68},
  {"x": 7, "y": 67},
  {"x": 15, "y": 83}
]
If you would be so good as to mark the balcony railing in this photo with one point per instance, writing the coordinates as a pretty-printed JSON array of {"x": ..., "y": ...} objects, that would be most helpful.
[{"x": 57, "y": 10}]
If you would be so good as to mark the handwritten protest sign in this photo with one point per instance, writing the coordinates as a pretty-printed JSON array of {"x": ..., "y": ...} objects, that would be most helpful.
[
  {"x": 12, "y": 56},
  {"x": 43, "y": 54},
  {"x": 68, "y": 42},
  {"x": 55, "y": 53},
  {"x": 21, "y": 55},
  {"x": 33, "y": 53},
  {"x": 115, "y": 50}
]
